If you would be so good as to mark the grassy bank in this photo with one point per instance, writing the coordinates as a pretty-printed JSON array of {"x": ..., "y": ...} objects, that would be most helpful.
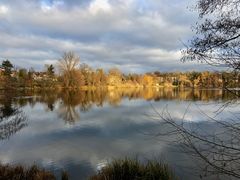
[
  {"x": 19, "y": 172},
  {"x": 129, "y": 169},
  {"x": 126, "y": 169}
]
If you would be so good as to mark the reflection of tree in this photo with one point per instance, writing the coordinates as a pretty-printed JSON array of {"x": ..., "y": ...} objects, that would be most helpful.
[
  {"x": 214, "y": 142},
  {"x": 67, "y": 108},
  {"x": 12, "y": 119},
  {"x": 68, "y": 113},
  {"x": 115, "y": 97},
  {"x": 49, "y": 98},
  {"x": 72, "y": 102},
  {"x": 157, "y": 94},
  {"x": 11, "y": 124},
  {"x": 7, "y": 110},
  {"x": 85, "y": 99}
]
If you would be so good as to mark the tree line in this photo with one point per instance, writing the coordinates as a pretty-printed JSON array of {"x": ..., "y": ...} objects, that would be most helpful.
[{"x": 69, "y": 73}]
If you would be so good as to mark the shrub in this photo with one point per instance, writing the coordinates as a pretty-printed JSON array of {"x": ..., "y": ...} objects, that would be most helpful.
[
  {"x": 128, "y": 169},
  {"x": 8, "y": 172}
]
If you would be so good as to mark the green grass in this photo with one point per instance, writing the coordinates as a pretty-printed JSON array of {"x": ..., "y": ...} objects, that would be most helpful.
[{"x": 129, "y": 169}]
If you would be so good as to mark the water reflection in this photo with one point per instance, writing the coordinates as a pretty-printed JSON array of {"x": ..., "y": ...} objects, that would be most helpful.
[
  {"x": 67, "y": 108},
  {"x": 12, "y": 119},
  {"x": 112, "y": 125},
  {"x": 69, "y": 104}
]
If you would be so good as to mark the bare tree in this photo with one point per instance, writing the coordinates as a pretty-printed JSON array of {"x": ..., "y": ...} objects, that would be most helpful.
[
  {"x": 215, "y": 143},
  {"x": 217, "y": 34},
  {"x": 69, "y": 68},
  {"x": 217, "y": 42}
]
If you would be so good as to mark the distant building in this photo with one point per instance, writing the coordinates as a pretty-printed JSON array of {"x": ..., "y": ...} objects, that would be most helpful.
[
  {"x": 14, "y": 74},
  {"x": 39, "y": 76},
  {"x": 1, "y": 70}
]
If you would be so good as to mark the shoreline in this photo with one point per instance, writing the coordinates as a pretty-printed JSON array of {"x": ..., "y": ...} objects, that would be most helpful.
[{"x": 88, "y": 88}]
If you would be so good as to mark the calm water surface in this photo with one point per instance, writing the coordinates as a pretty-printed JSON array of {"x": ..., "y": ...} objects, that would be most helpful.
[{"x": 80, "y": 131}]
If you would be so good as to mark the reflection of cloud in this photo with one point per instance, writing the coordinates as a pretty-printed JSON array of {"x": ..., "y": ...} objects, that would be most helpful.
[
  {"x": 101, "y": 165},
  {"x": 102, "y": 132}
]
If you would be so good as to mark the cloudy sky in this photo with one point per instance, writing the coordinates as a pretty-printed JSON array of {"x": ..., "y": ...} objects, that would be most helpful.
[{"x": 133, "y": 35}]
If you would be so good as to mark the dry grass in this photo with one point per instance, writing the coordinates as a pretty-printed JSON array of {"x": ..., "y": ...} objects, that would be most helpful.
[
  {"x": 8, "y": 172},
  {"x": 128, "y": 169}
]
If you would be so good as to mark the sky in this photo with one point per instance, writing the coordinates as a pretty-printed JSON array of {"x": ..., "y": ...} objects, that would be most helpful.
[{"x": 132, "y": 35}]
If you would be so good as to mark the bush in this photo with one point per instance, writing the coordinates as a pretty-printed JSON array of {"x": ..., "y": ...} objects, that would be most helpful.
[
  {"x": 8, "y": 172},
  {"x": 19, "y": 173},
  {"x": 128, "y": 169}
]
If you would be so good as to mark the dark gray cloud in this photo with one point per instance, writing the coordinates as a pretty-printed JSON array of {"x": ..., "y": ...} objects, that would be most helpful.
[{"x": 133, "y": 35}]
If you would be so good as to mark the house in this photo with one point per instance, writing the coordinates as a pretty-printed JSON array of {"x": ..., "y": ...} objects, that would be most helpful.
[
  {"x": 39, "y": 76},
  {"x": 1, "y": 71}
]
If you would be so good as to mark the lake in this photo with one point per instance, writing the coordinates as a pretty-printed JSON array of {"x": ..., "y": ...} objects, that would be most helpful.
[{"x": 80, "y": 131}]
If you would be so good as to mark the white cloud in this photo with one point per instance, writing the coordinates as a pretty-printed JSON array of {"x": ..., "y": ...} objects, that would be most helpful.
[
  {"x": 102, "y": 32},
  {"x": 100, "y": 6},
  {"x": 3, "y": 9}
]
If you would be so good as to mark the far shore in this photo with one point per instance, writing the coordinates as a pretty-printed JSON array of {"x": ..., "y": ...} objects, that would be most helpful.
[{"x": 122, "y": 87}]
